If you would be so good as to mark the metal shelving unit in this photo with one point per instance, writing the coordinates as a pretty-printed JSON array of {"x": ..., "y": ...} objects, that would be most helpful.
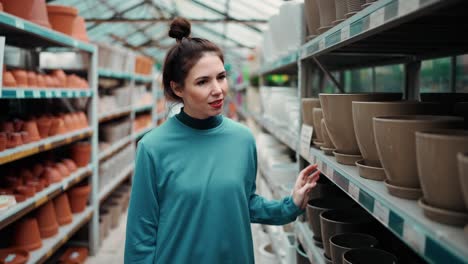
[
  {"x": 24, "y": 34},
  {"x": 114, "y": 147},
  {"x": 387, "y": 32},
  {"x": 118, "y": 179},
  {"x": 116, "y": 114}
]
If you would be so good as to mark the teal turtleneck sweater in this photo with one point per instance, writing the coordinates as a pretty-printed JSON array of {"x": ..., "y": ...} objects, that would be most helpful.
[{"x": 193, "y": 195}]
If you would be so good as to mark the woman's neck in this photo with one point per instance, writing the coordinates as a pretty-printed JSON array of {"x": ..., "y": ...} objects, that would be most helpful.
[{"x": 196, "y": 123}]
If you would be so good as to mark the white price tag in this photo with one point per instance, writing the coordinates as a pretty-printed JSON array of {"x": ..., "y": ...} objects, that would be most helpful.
[
  {"x": 19, "y": 23},
  {"x": 306, "y": 137},
  {"x": 20, "y": 93},
  {"x": 353, "y": 190},
  {"x": 381, "y": 212},
  {"x": 322, "y": 44},
  {"x": 75, "y": 43},
  {"x": 329, "y": 171},
  {"x": 376, "y": 18},
  {"x": 414, "y": 237},
  {"x": 345, "y": 33},
  {"x": 407, "y": 6},
  {"x": 312, "y": 159},
  {"x": 65, "y": 185},
  {"x": 36, "y": 94},
  {"x": 320, "y": 165},
  {"x": 48, "y": 94}
]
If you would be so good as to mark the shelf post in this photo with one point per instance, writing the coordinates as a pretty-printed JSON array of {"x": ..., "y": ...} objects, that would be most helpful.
[{"x": 2, "y": 51}]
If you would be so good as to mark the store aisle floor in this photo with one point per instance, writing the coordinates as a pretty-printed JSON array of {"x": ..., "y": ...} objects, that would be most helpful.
[{"x": 112, "y": 249}]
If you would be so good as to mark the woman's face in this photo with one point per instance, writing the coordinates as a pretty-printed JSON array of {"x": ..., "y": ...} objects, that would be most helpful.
[{"x": 205, "y": 87}]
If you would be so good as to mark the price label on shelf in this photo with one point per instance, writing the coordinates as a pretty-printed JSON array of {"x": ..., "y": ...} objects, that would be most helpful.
[
  {"x": 48, "y": 94},
  {"x": 306, "y": 137},
  {"x": 407, "y": 6},
  {"x": 376, "y": 18},
  {"x": 414, "y": 237},
  {"x": 353, "y": 190},
  {"x": 345, "y": 33},
  {"x": 20, "y": 93},
  {"x": 19, "y": 24},
  {"x": 36, "y": 94},
  {"x": 312, "y": 158},
  {"x": 381, "y": 212},
  {"x": 329, "y": 171},
  {"x": 322, "y": 44},
  {"x": 75, "y": 43}
]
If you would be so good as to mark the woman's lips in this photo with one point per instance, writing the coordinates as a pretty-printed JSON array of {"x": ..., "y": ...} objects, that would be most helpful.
[{"x": 217, "y": 104}]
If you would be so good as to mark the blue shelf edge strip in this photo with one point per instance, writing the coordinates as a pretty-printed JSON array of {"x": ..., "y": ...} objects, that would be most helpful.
[{"x": 44, "y": 93}]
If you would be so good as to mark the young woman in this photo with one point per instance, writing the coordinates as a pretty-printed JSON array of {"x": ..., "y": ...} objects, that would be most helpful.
[{"x": 193, "y": 196}]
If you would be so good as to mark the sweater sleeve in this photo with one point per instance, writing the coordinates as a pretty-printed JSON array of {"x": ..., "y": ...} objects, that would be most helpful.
[
  {"x": 143, "y": 212},
  {"x": 270, "y": 212}
]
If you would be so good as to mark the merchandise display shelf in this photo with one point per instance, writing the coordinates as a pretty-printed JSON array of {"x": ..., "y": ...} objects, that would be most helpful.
[
  {"x": 17, "y": 30},
  {"x": 142, "y": 132},
  {"x": 281, "y": 134},
  {"x": 278, "y": 243},
  {"x": 304, "y": 235},
  {"x": 115, "y": 114},
  {"x": 285, "y": 64},
  {"x": 241, "y": 86},
  {"x": 142, "y": 108},
  {"x": 107, "y": 190},
  {"x": 143, "y": 78},
  {"x": 32, "y": 148},
  {"x": 18, "y": 210},
  {"x": 39, "y": 93},
  {"x": 114, "y": 75},
  {"x": 390, "y": 32},
  {"x": 50, "y": 245},
  {"x": 114, "y": 147},
  {"x": 436, "y": 243}
]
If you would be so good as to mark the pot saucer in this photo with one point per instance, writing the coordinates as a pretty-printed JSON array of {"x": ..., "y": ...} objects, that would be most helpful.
[
  {"x": 336, "y": 22},
  {"x": 323, "y": 29},
  {"x": 346, "y": 159},
  {"x": 327, "y": 259},
  {"x": 318, "y": 143},
  {"x": 366, "y": 5},
  {"x": 348, "y": 15},
  {"x": 403, "y": 192},
  {"x": 443, "y": 216},
  {"x": 367, "y": 171},
  {"x": 318, "y": 242},
  {"x": 327, "y": 151}
]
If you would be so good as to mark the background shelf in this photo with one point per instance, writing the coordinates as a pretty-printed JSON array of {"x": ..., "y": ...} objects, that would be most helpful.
[{"x": 107, "y": 190}]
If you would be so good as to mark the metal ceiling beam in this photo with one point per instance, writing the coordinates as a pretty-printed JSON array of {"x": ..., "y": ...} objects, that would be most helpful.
[
  {"x": 228, "y": 17},
  {"x": 118, "y": 14},
  {"x": 128, "y": 45},
  {"x": 168, "y": 20}
]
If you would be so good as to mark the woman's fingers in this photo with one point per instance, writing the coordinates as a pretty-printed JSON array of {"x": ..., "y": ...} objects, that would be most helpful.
[
  {"x": 308, "y": 170},
  {"x": 314, "y": 177}
]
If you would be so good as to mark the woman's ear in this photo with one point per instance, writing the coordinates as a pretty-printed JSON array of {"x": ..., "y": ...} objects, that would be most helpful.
[{"x": 176, "y": 89}]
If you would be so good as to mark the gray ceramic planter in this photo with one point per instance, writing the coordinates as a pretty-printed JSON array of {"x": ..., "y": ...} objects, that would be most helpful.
[
  {"x": 344, "y": 242},
  {"x": 369, "y": 256}
]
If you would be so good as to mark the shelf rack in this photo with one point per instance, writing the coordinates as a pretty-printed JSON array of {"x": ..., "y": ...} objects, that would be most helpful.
[
  {"x": 116, "y": 114},
  {"x": 387, "y": 32},
  {"x": 304, "y": 235},
  {"x": 24, "y": 34},
  {"x": 107, "y": 190},
  {"x": 114, "y": 147},
  {"x": 286, "y": 137}
]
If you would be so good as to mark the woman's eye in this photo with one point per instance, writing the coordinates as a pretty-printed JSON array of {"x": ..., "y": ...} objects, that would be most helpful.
[
  {"x": 221, "y": 77},
  {"x": 201, "y": 82}
]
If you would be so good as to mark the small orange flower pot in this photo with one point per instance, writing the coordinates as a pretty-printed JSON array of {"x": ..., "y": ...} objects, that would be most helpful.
[
  {"x": 81, "y": 153},
  {"x": 62, "y": 210},
  {"x": 47, "y": 220},
  {"x": 26, "y": 234},
  {"x": 21, "y": 76},
  {"x": 9, "y": 79},
  {"x": 62, "y": 18},
  {"x": 79, "y": 197}
]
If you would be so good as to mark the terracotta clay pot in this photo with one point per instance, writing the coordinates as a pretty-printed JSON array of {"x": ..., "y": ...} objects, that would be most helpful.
[
  {"x": 12, "y": 181},
  {"x": 354, "y": 6},
  {"x": 363, "y": 112},
  {"x": 41, "y": 82},
  {"x": 70, "y": 164},
  {"x": 83, "y": 120},
  {"x": 335, "y": 222},
  {"x": 32, "y": 79},
  {"x": 8, "y": 127},
  {"x": 13, "y": 255},
  {"x": 317, "y": 206},
  {"x": 69, "y": 124},
  {"x": 327, "y": 14},
  {"x": 64, "y": 171},
  {"x": 436, "y": 153},
  {"x": 57, "y": 127},
  {"x": 47, "y": 220},
  {"x": 74, "y": 255},
  {"x": 18, "y": 125},
  {"x": 73, "y": 81},
  {"x": 26, "y": 175},
  {"x": 328, "y": 146},
  {"x": 396, "y": 145},
  {"x": 62, "y": 18},
  {"x": 76, "y": 120},
  {"x": 62, "y": 210},
  {"x": 21, "y": 76},
  {"x": 9, "y": 79},
  {"x": 340, "y": 244},
  {"x": 31, "y": 127},
  {"x": 44, "y": 124},
  {"x": 19, "y": 198},
  {"x": 338, "y": 114},
  {"x": 26, "y": 234},
  {"x": 52, "y": 175},
  {"x": 463, "y": 175},
  {"x": 79, "y": 29},
  {"x": 3, "y": 141},
  {"x": 49, "y": 81},
  {"x": 28, "y": 191},
  {"x": 61, "y": 77},
  {"x": 37, "y": 184},
  {"x": 79, "y": 198},
  {"x": 318, "y": 115},
  {"x": 369, "y": 256},
  {"x": 37, "y": 170},
  {"x": 14, "y": 140},
  {"x": 81, "y": 153},
  {"x": 25, "y": 137},
  {"x": 32, "y": 10},
  {"x": 312, "y": 17}
]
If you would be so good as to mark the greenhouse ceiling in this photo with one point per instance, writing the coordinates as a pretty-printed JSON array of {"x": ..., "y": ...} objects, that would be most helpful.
[{"x": 142, "y": 25}]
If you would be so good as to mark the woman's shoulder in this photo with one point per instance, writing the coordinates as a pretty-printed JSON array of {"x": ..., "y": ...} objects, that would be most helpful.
[
  {"x": 238, "y": 129},
  {"x": 158, "y": 134}
]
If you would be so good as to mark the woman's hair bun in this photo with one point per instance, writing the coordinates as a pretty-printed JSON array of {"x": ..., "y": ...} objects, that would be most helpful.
[{"x": 180, "y": 28}]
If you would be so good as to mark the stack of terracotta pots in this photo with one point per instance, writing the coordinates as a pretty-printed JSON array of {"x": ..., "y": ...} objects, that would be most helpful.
[
  {"x": 13, "y": 255},
  {"x": 30, "y": 79},
  {"x": 79, "y": 198},
  {"x": 81, "y": 153},
  {"x": 143, "y": 65}
]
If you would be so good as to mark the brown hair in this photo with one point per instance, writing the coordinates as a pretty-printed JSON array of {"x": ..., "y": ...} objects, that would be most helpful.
[{"x": 184, "y": 55}]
